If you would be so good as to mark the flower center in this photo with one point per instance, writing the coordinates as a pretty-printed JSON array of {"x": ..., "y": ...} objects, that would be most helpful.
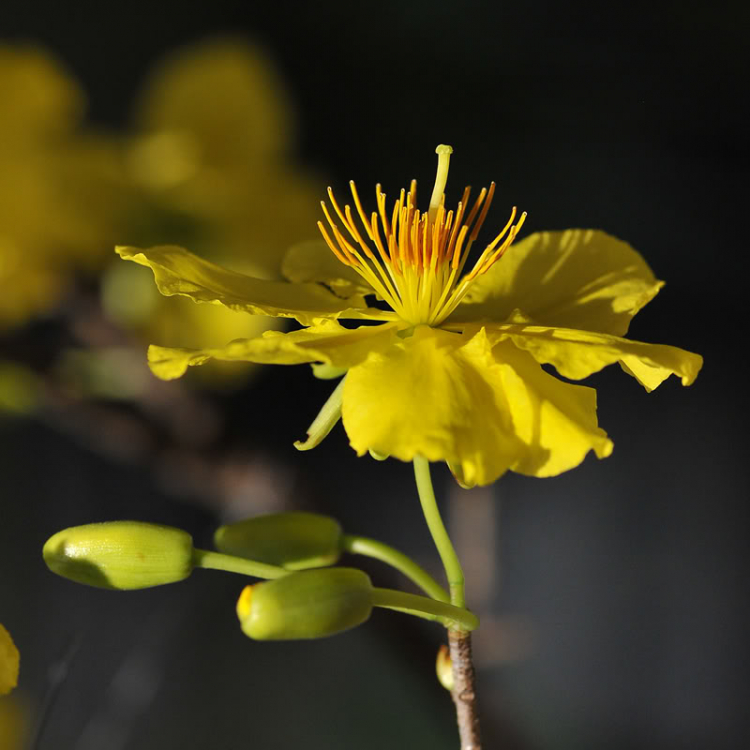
[{"x": 419, "y": 258}]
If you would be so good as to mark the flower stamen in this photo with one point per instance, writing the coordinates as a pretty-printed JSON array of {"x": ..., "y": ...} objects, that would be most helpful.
[{"x": 419, "y": 258}]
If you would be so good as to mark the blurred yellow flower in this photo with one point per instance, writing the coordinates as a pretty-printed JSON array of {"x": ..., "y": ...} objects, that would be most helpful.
[
  {"x": 213, "y": 140},
  {"x": 9, "y": 662},
  {"x": 205, "y": 163},
  {"x": 57, "y": 184},
  {"x": 210, "y": 161},
  {"x": 14, "y": 723},
  {"x": 453, "y": 370}
]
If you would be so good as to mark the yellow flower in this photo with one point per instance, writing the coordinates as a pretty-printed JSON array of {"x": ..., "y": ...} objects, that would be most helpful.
[
  {"x": 452, "y": 372},
  {"x": 211, "y": 153},
  {"x": 9, "y": 660},
  {"x": 210, "y": 162},
  {"x": 57, "y": 184}
]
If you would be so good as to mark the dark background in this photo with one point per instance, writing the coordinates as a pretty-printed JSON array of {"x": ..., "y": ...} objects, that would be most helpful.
[{"x": 619, "y": 617}]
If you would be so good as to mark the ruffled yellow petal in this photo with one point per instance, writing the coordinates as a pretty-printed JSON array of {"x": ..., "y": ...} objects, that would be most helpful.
[
  {"x": 485, "y": 409},
  {"x": 434, "y": 394},
  {"x": 577, "y": 354},
  {"x": 326, "y": 341},
  {"x": 579, "y": 278},
  {"x": 179, "y": 272},
  {"x": 555, "y": 420},
  {"x": 313, "y": 262},
  {"x": 9, "y": 662}
]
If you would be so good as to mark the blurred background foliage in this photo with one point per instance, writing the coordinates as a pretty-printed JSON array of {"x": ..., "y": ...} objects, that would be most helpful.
[{"x": 613, "y": 598}]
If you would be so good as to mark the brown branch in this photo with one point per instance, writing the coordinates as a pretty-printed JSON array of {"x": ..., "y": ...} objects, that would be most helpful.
[{"x": 464, "y": 690}]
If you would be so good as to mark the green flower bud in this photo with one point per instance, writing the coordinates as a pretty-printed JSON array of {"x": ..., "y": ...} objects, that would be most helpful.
[
  {"x": 294, "y": 541},
  {"x": 310, "y": 604},
  {"x": 120, "y": 554}
]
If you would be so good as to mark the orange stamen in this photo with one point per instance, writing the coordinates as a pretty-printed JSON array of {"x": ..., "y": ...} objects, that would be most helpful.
[{"x": 414, "y": 243}]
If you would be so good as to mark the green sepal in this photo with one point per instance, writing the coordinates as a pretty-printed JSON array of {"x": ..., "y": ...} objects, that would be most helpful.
[
  {"x": 305, "y": 605},
  {"x": 326, "y": 420},
  {"x": 120, "y": 554},
  {"x": 378, "y": 456},
  {"x": 294, "y": 540}
]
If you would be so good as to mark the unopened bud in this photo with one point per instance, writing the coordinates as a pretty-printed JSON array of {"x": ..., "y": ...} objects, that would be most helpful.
[
  {"x": 294, "y": 541},
  {"x": 309, "y": 604},
  {"x": 120, "y": 554},
  {"x": 444, "y": 668}
]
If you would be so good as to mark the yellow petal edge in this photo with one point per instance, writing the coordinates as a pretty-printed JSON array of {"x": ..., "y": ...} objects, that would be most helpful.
[
  {"x": 327, "y": 341},
  {"x": 577, "y": 278},
  {"x": 577, "y": 354},
  {"x": 178, "y": 271},
  {"x": 462, "y": 400}
]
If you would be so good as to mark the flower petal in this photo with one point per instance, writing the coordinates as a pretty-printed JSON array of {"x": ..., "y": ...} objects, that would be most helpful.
[
  {"x": 577, "y": 354},
  {"x": 178, "y": 271},
  {"x": 434, "y": 394},
  {"x": 485, "y": 409},
  {"x": 556, "y": 421},
  {"x": 314, "y": 262},
  {"x": 327, "y": 341},
  {"x": 579, "y": 278}
]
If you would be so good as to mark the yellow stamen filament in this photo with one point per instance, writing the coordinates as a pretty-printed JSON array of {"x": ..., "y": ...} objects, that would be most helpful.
[{"x": 418, "y": 260}]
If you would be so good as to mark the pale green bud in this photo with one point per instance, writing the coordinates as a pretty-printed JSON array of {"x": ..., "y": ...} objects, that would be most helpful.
[
  {"x": 294, "y": 541},
  {"x": 120, "y": 554},
  {"x": 309, "y": 604}
]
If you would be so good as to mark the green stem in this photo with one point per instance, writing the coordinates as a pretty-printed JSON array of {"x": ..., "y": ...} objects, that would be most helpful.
[
  {"x": 422, "y": 606},
  {"x": 360, "y": 545},
  {"x": 203, "y": 558},
  {"x": 452, "y": 566}
]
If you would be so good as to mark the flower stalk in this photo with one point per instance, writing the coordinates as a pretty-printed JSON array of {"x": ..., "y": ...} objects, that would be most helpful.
[
  {"x": 360, "y": 545},
  {"x": 451, "y": 563},
  {"x": 204, "y": 558},
  {"x": 429, "y": 609},
  {"x": 463, "y": 689}
]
